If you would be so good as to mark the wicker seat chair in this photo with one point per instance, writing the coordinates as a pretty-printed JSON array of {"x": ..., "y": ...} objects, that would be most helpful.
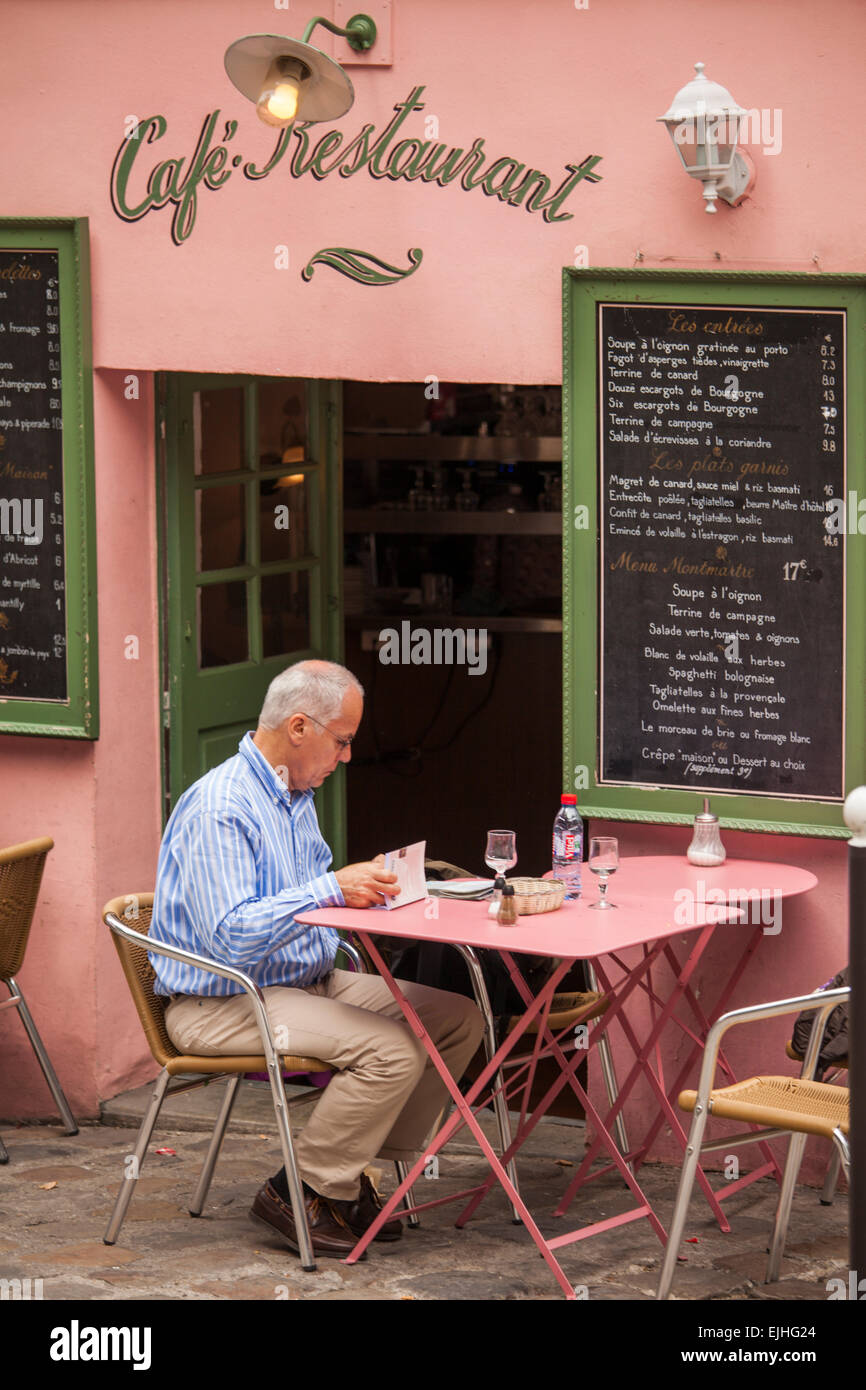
[
  {"x": 132, "y": 946},
  {"x": 787, "y": 1105},
  {"x": 834, "y": 1165},
  {"x": 21, "y": 868}
]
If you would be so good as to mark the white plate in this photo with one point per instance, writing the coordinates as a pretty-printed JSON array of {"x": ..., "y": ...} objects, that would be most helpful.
[{"x": 456, "y": 887}]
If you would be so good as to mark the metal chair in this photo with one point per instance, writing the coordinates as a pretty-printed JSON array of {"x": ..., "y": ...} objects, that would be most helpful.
[
  {"x": 132, "y": 946},
  {"x": 21, "y": 868},
  {"x": 788, "y": 1105},
  {"x": 834, "y": 1165}
]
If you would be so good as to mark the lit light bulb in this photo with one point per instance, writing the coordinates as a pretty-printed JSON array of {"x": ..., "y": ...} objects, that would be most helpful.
[
  {"x": 281, "y": 92},
  {"x": 282, "y": 102}
]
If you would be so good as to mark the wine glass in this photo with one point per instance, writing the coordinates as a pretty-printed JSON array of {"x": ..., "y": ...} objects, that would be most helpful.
[
  {"x": 604, "y": 861},
  {"x": 501, "y": 852}
]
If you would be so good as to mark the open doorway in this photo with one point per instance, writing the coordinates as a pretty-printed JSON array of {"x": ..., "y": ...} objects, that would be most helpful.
[{"x": 453, "y": 615}]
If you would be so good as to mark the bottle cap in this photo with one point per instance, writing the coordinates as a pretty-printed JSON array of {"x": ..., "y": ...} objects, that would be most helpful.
[
  {"x": 499, "y": 881},
  {"x": 706, "y": 816},
  {"x": 568, "y": 799},
  {"x": 508, "y": 890}
]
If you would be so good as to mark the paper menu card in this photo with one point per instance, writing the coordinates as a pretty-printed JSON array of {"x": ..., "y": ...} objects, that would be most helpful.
[{"x": 408, "y": 864}]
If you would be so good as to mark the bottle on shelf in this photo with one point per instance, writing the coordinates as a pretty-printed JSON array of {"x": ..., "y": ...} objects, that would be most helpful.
[
  {"x": 420, "y": 497},
  {"x": 568, "y": 845},
  {"x": 467, "y": 498},
  {"x": 439, "y": 497}
]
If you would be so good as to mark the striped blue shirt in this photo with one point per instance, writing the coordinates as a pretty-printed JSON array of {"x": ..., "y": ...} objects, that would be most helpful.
[{"x": 240, "y": 857}]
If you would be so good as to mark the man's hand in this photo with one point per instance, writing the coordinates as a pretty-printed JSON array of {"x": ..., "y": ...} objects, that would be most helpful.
[{"x": 368, "y": 884}]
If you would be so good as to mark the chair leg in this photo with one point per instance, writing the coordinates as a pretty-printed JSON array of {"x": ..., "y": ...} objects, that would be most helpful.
[
  {"x": 130, "y": 1178},
  {"x": 293, "y": 1177},
  {"x": 611, "y": 1085},
  {"x": 681, "y": 1205},
  {"x": 44, "y": 1060},
  {"x": 204, "y": 1182},
  {"x": 409, "y": 1197},
  {"x": 783, "y": 1211},
  {"x": 831, "y": 1179},
  {"x": 841, "y": 1142},
  {"x": 4, "y": 1153}
]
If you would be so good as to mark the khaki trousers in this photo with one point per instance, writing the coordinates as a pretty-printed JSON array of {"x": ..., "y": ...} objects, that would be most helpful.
[{"x": 386, "y": 1094}]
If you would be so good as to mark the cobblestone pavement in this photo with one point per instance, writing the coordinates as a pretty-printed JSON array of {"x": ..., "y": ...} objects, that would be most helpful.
[{"x": 57, "y": 1191}]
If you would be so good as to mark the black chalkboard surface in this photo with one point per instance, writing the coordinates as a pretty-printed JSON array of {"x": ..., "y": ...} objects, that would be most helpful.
[
  {"x": 32, "y": 571},
  {"x": 721, "y": 440},
  {"x": 714, "y": 633},
  {"x": 48, "y": 670}
]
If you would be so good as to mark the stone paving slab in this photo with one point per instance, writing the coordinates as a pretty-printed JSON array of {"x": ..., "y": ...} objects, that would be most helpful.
[{"x": 54, "y": 1233}]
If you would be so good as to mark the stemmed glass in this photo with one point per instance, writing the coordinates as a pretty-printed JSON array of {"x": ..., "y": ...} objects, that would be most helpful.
[
  {"x": 604, "y": 861},
  {"x": 501, "y": 852}
]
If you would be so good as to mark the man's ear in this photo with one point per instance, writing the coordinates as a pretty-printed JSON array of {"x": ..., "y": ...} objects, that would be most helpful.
[{"x": 295, "y": 726}]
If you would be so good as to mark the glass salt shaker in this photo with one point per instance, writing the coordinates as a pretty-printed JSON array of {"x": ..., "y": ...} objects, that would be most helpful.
[{"x": 706, "y": 848}]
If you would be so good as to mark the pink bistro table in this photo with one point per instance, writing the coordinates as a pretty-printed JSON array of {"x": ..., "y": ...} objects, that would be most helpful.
[{"x": 658, "y": 898}]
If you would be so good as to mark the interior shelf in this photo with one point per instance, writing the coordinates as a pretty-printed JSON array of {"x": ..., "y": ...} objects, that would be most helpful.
[
  {"x": 453, "y": 523},
  {"x": 453, "y": 448}
]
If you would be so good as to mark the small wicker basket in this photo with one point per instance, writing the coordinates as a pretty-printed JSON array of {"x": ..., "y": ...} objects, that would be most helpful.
[{"x": 533, "y": 895}]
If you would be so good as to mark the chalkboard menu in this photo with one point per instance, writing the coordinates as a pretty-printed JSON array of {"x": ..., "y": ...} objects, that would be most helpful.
[
  {"x": 713, "y": 479},
  {"x": 722, "y": 437},
  {"x": 47, "y": 674},
  {"x": 32, "y": 572}
]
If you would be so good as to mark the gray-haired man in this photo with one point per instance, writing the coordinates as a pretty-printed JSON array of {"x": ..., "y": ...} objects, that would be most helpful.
[{"x": 242, "y": 854}]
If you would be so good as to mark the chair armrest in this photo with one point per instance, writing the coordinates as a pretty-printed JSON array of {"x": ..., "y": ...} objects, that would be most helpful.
[
  {"x": 824, "y": 1002},
  {"x": 354, "y": 955},
  {"x": 227, "y": 972}
]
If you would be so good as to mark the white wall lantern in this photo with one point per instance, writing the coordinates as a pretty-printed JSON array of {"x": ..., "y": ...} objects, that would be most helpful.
[{"x": 704, "y": 123}]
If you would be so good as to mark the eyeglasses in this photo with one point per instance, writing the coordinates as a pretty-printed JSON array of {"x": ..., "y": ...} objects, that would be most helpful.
[{"x": 343, "y": 742}]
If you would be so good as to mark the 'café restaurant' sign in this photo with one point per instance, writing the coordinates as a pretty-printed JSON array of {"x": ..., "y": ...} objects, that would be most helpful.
[{"x": 177, "y": 179}]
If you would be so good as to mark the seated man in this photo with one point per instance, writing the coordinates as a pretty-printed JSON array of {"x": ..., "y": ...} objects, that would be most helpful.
[{"x": 242, "y": 854}]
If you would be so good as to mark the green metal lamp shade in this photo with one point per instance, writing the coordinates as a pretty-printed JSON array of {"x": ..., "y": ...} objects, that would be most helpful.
[{"x": 325, "y": 95}]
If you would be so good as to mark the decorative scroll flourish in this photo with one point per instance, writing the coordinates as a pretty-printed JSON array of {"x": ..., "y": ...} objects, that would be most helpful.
[{"x": 362, "y": 266}]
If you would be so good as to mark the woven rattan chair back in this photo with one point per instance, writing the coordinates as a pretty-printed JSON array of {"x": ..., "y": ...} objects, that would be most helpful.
[
  {"x": 136, "y": 909},
  {"x": 21, "y": 869}
]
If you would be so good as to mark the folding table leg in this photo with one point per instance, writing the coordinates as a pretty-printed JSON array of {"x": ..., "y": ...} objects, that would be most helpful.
[
  {"x": 500, "y": 1104},
  {"x": 463, "y": 1112},
  {"x": 609, "y": 1074}
]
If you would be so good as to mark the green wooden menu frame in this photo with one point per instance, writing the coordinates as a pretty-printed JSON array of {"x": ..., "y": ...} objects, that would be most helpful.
[
  {"x": 583, "y": 292},
  {"x": 76, "y": 715}
]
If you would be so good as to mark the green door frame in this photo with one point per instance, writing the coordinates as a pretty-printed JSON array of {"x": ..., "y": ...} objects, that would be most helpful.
[{"x": 235, "y": 692}]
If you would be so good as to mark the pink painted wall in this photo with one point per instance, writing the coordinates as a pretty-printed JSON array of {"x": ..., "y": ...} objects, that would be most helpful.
[
  {"x": 548, "y": 84},
  {"x": 98, "y": 801}
]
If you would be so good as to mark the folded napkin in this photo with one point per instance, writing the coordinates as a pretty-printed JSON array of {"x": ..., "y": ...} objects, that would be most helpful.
[{"x": 467, "y": 889}]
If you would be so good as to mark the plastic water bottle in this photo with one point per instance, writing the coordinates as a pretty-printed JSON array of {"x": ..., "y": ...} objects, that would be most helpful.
[{"x": 568, "y": 845}]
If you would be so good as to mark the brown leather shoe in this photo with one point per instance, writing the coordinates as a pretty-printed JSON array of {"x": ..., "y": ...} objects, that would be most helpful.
[
  {"x": 362, "y": 1212},
  {"x": 329, "y": 1233}
]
